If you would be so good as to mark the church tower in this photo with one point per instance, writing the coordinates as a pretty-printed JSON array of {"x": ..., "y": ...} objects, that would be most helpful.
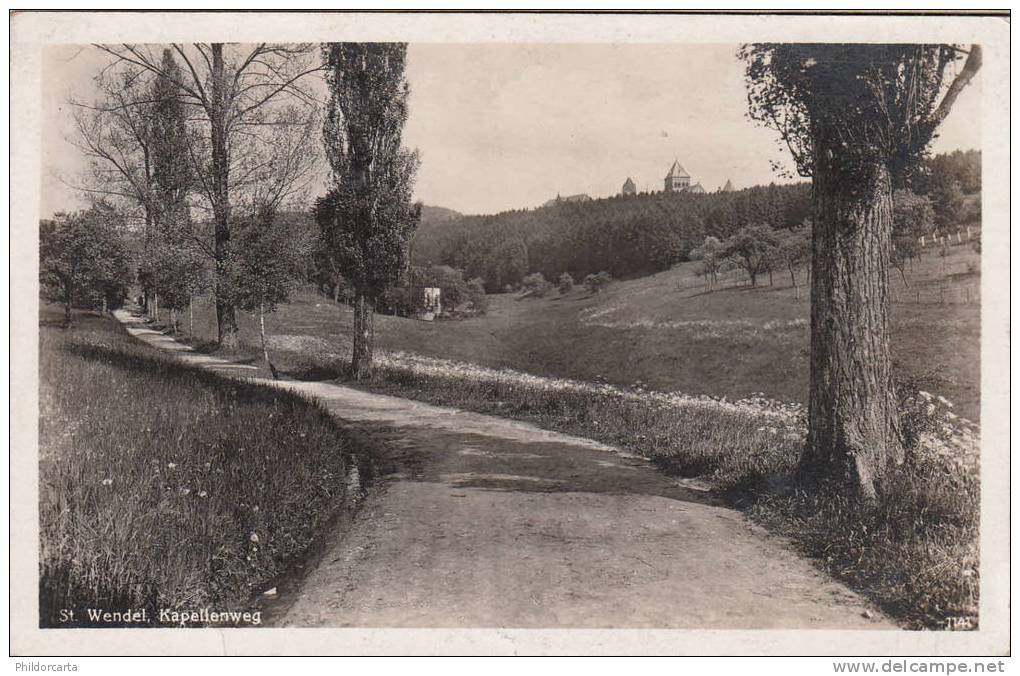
[
  {"x": 677, "y": 180},
  {"x": 628, "y": 187}
]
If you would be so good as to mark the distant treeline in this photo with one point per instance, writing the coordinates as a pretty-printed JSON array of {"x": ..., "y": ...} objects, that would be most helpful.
[{"x": 630, "y": 236}]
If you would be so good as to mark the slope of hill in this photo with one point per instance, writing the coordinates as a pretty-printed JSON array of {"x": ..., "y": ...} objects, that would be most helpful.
[
  {"x": 667, "y": 332},
  {"x": 432, "y": 214}
]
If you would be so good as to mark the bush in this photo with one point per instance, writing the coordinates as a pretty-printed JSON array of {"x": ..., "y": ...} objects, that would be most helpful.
[
  {"x": 595, "y": 283},
  {"x": 566, "y": 283},
  {"x": 476, "y": 295},
  {"x": 535, "y": 285}
]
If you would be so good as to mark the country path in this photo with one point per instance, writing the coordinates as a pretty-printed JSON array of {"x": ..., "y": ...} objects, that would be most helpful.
[{"x": 479, "y": 521}]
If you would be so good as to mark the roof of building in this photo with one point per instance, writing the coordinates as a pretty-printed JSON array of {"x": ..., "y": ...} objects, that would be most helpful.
[
  {"x": 677, "y": 170},
  {"x": 696, "y": 188},
  {"x": 580, "y": 197},
  {"x": 628, "y": 181},
  {"x": 728, "y": 187}
]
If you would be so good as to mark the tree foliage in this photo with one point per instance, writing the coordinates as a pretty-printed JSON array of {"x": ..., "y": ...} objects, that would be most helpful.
[
  {"x": 84, "y": 260},
  {"x": 368, "y": 216}
]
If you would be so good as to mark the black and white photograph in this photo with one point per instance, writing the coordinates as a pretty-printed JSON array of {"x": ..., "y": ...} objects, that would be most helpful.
[{"x": 378, "y": 323}]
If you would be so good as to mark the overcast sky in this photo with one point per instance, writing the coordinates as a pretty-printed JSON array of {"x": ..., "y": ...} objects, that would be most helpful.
[{"x": 503, "y": 126}]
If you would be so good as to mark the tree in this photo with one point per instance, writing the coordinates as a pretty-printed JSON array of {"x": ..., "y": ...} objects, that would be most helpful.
[
  {"x": 752, "y": 248},
  {"x": 566, "y": 283},
  {"x": 712, "y": 256},
  {"x": 367, "y": 217},
  {"x": 596, "y": 282},
  {"x": 83, "y": 261},
  {"x": 793, "y": 251},
  {"x": 265, "y": 267},
  {"x": 857, "y": 118},
  {"x": 476, "y": 295},
  {"x": 237, "y": 95}
]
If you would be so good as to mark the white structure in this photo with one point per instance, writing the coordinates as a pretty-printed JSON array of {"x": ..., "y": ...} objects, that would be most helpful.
[{"x": 432, "y": 304}]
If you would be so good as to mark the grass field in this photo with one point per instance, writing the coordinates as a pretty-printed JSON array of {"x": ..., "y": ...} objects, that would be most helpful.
[
  {"x": 164, "y": 487},
  {"x": 666, "y": 333}
]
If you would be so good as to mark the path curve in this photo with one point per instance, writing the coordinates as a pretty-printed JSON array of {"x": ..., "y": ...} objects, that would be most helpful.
[{"x": 479, "y": 521}]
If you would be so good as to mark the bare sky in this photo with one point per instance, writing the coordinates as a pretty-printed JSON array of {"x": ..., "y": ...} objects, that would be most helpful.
[{"x": 503, "y": 126}]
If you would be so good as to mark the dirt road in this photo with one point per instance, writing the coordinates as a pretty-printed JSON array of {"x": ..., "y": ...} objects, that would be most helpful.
[{"x": 478, "y": 521}]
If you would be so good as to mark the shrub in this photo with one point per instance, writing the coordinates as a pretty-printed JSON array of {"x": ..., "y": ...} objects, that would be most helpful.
[
  {"x": 566, "y": 283},
  {"x": 536, "y": 285},
  {"x": 476, "y": 295},
  {"x": 596, "y": 282}
]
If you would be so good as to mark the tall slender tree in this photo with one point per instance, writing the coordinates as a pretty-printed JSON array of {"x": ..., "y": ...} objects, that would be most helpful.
[
  {"x": 857, "y": 118},
  {"x": 367, "y": 217}
]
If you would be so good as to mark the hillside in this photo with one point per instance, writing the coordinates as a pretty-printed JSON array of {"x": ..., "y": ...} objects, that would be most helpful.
[
  {"x": 627, "y": 236},
  {"x": 432, "y": 214},
  {"x": 666, "y": 332}
]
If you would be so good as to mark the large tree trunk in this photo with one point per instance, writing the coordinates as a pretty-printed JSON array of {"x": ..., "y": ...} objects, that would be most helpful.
[
  {"x": 853, "y": 434},
  {"x": 226, "y": 316},
  {"x": 361, "y": 359}
]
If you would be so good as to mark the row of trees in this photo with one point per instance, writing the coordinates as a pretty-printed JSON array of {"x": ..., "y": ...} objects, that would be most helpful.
[{"x": 210, "y": 144}]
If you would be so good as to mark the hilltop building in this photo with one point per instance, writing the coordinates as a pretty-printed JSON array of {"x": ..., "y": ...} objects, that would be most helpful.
[
  {"x": 628, "y": 187},
  {"x": 678, "y": 180},
  {"x": 728, "y": 187},
  {"x": 581, "y": 197}
]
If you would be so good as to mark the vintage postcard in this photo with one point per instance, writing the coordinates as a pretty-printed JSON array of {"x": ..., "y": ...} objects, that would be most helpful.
[{"x": 490, "y": 333}]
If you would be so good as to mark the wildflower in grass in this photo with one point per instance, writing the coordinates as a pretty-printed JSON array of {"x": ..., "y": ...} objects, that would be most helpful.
[
  {"x": 171, "y": 465},
  {"x": 254, "y": 538},
  {"x": 107, "y": 482},
  {"x": 202, "y": 494},
  {"x": 185, "y": 491}
]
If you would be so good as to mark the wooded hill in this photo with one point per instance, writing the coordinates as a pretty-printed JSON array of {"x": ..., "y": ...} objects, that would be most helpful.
[
  {"x": 636, "y": 235},
  {"x": 624, "y": 235}
]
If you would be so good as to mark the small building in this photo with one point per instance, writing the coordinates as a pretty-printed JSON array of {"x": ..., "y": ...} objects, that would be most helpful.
[
  {"x": 628, "y": 187},
  {"x": 580, "y": 197},
  {"x": 677, "y": 180},
  {"x": 728, "y": 187},
  {"x": 431, "y": 303}
]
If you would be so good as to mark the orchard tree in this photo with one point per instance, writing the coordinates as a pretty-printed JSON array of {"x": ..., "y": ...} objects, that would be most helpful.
[
  {"x": 793, "y": 252},
  {"x": 367, "y": 217},
  {"x": 857, "y": 118},
  {"x": 712, "y": 256},
  {"x": 752, "y": 248}
]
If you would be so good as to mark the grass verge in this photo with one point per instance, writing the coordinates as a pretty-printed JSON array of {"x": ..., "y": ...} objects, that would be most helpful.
[{"x": 163, "y": 487}]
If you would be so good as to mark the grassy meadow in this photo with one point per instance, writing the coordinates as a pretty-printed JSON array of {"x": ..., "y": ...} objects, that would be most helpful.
[
  {"x": 664, "y": 332},
  {"x": 165, "y": 487}
]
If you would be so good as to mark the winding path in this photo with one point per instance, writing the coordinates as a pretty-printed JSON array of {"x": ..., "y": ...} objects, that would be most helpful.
[{"x": 478, "y": 521}]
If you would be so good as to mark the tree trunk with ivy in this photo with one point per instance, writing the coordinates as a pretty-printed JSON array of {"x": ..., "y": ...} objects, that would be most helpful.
[{"x": 853, "y": 422}]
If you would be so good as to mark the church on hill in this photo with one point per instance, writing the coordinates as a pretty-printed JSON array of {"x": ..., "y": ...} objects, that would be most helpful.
[
  {"x": 628, "y": 187},
  {"x": 678, "y": 180}
]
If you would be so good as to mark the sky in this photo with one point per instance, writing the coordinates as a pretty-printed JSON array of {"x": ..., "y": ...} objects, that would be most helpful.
[{"x": 506, "y": 126}]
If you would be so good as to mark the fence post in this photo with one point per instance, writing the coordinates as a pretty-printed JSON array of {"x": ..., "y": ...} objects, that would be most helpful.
[{"x": 918, "y": 296}]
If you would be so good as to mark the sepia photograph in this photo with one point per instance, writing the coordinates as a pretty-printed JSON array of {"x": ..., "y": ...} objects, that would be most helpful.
[{"x": 372, "y": 322}]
